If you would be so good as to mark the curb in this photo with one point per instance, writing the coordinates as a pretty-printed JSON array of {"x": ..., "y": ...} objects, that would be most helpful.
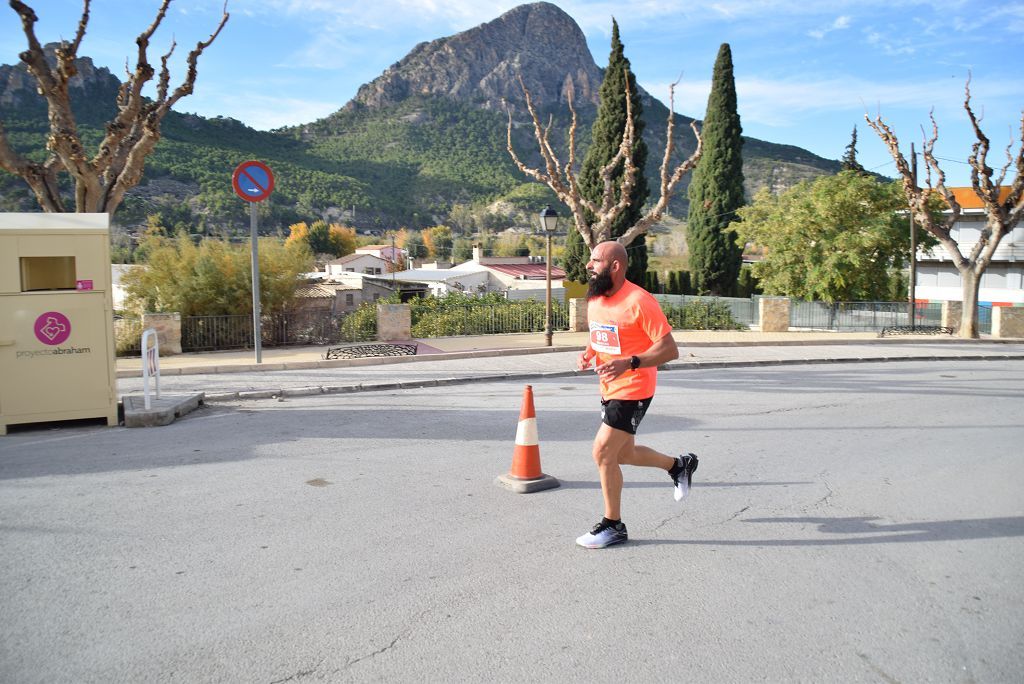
[
  {"x": 675, "y": 366},
  {"x": 162, "y": 411}
]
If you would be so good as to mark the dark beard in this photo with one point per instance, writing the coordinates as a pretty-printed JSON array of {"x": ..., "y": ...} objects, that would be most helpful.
[{"x": 599, "y": 285}]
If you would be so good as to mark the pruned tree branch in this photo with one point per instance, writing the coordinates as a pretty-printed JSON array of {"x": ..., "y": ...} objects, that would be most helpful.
[
  {"x": 117, "y": 166},
  {"x": 594, "y": 220},
  {"x": 1003, "y": 206}
]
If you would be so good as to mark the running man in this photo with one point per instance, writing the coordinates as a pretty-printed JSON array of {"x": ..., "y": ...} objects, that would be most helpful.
[{"x": 629, "y": 338}]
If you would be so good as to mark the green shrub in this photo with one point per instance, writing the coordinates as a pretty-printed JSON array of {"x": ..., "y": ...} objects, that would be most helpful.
[
  {"x": 128, "y": 336},
  {"x": 459, "y": 314},
  {"x": 701, "y": 315}
]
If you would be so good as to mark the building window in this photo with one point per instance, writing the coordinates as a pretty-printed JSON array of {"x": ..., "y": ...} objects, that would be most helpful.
[
  {"x": 350, "y": 299},
  {"x": 376, "y": 296},
  {"x": 1014, "y": 277},
  {"x": 950, "y": 278},
  {"x": 994, "y": 277},
  {"x": 927, "y": 276}
]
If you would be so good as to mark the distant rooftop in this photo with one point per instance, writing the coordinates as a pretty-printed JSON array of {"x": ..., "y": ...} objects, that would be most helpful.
[{"x": 528, "y": 271}]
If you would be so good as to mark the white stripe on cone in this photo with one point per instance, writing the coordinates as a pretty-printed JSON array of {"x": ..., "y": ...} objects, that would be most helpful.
[{"x": 526, "y": 432}]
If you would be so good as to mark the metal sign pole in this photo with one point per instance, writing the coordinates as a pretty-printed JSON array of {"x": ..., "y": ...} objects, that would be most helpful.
[
  {"x": 256, "y": 331},
  {"x": 913, "y": 243},
  {"x": 253, "y": 181}
]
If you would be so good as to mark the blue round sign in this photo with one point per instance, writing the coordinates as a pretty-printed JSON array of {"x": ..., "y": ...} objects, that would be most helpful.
[{"x": 253, "y": 181}]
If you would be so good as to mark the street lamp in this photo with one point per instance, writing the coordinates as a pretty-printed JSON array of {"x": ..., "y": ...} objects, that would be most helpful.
[{"x": 548, "y": 221}]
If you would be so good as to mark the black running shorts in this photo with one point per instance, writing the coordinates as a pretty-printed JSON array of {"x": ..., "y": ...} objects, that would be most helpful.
[{"x": 624, "y": 414}]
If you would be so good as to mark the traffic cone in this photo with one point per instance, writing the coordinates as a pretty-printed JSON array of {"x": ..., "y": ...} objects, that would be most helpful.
[{"x": 525, "y": 475}]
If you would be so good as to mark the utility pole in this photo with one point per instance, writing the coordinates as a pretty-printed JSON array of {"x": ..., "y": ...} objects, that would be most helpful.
[{"x": 913, "y": 242}]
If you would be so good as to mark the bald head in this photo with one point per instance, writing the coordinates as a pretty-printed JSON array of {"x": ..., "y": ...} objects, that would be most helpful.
[
  {"x": 613, "y": 251},
  {"x": 607, "y": 265}
]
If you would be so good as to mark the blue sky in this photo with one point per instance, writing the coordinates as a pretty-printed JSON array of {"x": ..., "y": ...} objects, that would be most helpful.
[{"x": 806, "y": 72}]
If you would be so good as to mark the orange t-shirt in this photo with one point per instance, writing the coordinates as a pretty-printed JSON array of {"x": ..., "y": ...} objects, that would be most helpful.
[{"x": 621, "y": 326}]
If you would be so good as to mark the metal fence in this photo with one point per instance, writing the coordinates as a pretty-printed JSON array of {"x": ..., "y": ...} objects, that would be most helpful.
[
  {"x": 207, "y": 333},
  {"x": 861, "y": 316},
  {"x": 691, "y": 312},
  {"x": 210, "y": 333},
  {"x": 872, "y": 316}
]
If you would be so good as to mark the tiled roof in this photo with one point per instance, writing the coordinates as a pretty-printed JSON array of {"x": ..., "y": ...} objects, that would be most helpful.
[
  {"x": 316, "y": 290},
  {"x": 528, "y": 271},
  {"x": 352, "y": 257},
  {"x": 968, "y": 199}
]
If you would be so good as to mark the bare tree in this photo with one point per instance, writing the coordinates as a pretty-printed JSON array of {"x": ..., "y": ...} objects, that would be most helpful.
[
  {"x": 100, "y": 181},
  {"x": 561, "y": 178},
  {"x": 1003, "y": 206}
]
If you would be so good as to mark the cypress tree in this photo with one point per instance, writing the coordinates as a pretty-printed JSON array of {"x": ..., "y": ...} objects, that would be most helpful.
[
  {"x": 716, "y": 190},
  {"x": 575, "y": 256},
  {"x": 684, "y": 283},
  {"x": 849, "y": 161},
  {"x": 606, "y": 136}
]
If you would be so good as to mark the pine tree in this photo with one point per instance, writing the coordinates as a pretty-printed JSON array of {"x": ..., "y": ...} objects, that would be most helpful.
[
  {"x": 849, "y": 161},
  {"x": 716, "y": 191},
  {"x": 606, "y": 136}
]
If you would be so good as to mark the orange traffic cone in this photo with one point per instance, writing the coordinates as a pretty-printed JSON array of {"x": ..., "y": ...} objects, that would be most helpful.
[{"x": 525, "y": 475}]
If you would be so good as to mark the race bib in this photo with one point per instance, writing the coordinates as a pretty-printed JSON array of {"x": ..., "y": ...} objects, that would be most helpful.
[{"x": 605, "y": 338}]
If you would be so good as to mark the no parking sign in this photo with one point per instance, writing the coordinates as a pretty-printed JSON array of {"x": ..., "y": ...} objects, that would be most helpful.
[{"x": 253, "y": 181}]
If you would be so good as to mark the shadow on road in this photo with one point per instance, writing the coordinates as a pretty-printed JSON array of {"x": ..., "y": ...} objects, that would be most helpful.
[{"x": 862, "y": 530}]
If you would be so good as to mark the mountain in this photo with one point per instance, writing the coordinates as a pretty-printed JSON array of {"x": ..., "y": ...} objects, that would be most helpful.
[
  {"x": 426, "y": 135},
  {"x": 481, "y": 66}
]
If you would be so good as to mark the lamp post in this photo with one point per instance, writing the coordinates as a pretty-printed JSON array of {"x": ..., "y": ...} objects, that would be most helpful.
[{"x": 548, "y": 221}]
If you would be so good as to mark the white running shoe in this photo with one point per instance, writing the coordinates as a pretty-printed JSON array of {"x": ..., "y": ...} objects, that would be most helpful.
[
  {"x": 603, "y": 535},
  {"x": 688, "y": 464}
]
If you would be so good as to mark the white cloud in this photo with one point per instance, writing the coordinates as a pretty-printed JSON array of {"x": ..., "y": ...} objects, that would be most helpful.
[{"x": 840, "y": 23}]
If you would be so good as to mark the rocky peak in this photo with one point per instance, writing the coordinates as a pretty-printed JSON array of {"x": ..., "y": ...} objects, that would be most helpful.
[
  {"x": 18, "y": 86},
  {"x": 538, "y": 41}
]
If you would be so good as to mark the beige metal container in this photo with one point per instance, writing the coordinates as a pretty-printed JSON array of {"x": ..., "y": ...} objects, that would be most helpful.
[{"x": 56, "y": 319}]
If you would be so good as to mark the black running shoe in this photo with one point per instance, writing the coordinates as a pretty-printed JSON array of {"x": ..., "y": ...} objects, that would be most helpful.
[{"x": 686, "y": 465}]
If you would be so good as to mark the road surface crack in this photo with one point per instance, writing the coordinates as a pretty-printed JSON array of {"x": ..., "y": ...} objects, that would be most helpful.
[{"x": 300, "y": 674}]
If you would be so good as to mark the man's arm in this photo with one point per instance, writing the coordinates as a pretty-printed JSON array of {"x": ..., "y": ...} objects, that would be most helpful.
[{"x": 662, "y": 351}]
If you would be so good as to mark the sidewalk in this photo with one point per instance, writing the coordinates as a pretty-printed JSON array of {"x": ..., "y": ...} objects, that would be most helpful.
[{"x": 227, "y": 376}]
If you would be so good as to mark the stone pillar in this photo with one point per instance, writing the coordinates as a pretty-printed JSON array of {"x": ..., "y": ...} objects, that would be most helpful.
[
  {"x": 1007, "y": 321},
  {"x": 774, "y": 314},
  {"x": 394, "y": 322},
  {"x": 951, "y": 314},
  {"x": 578, "y": 315},
  {"x": 168, "y": 331}
]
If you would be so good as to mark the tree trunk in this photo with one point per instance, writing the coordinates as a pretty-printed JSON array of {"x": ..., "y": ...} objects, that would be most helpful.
[{"x": 969, "y": 313}]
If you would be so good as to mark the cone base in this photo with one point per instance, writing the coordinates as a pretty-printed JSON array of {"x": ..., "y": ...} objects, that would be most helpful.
[{"x": 520, "y": 486}]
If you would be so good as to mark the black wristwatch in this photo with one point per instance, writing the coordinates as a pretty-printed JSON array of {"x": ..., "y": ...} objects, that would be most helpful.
[{"x": 634, "y": 362}]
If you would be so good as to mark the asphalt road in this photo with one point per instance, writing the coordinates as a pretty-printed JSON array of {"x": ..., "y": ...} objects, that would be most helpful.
[{"x": 849, "y": 523}]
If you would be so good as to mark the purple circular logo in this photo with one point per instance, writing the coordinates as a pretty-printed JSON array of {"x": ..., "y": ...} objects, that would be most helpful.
[{"x": 52, "y": 328}]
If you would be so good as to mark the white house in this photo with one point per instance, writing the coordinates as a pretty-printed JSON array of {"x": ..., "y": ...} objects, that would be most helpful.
[
  {"x": 522, "y": 277},
  {"x": 357, "y": 263},
  {"x": 443, "y": 281},
  {"x": 390, "y": 253},
  {"x": 1002, "y": 284}
]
